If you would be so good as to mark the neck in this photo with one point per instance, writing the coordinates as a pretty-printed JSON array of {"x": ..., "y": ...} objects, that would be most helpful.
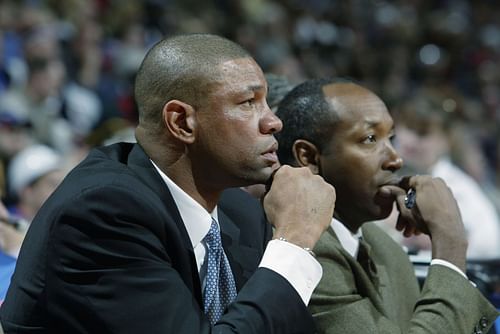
[
  {"x": 182, "y": 175},
  {"x": 352, "y": 224},
  {"x": 171, "y": 158}
]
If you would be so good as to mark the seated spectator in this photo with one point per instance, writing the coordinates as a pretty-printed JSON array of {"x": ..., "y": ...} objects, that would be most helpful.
[
  {"x": 61, "y": 112},
  {"x": 344, "y": 133},
  {"x": 423, "y": 129},
  {"x": 15, "y": 135},
  {"x": 33, "y": 174}
]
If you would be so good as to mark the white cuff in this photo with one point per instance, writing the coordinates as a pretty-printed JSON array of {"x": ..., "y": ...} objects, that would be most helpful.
[
  {"x": 449, "y": 265},
  {"x": 295, "y": 264}
]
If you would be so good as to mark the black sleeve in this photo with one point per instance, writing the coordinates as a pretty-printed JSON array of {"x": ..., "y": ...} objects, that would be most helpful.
[{"x": 113, "y": 267}]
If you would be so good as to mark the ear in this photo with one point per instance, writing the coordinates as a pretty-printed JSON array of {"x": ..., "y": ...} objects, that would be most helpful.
[
  {"x": 306, "y": 154},
  {"x": 180, "y": 119}
]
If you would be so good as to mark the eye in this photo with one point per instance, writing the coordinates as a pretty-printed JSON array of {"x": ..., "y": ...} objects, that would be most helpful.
[
  {"x": 392, "y": 138},
  {"x": 370, "y": 139},
  {"x": 248, "y": 103}
]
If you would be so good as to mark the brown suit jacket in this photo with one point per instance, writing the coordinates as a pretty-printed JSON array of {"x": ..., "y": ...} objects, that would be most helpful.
[{"x": 346, "y": 300}]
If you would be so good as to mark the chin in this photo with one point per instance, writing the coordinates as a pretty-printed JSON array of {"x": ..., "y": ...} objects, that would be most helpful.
[
  {"x": 256, "y": 177},
  {"x": 382, "y": 212}
]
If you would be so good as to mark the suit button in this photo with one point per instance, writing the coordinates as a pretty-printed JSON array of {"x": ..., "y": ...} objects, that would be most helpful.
[{"x": 483, "y": 322}]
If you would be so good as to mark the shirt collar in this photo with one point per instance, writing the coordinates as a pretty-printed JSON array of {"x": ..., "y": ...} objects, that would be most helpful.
[
  {"x": 348, "y": 240},
  {"x": 196, "y": 218}
]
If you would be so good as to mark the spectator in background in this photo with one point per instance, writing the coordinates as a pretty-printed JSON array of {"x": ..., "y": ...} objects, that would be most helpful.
[
  {"x": 32, "y": 176},
  {"x": 15, "y": 135},
  {"x": 423, "y": 130},
  {"x": 15, "y": 132},
  {"x": 60, "y": 113}
]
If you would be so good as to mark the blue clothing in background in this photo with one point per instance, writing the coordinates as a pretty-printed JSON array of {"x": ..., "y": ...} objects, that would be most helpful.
[{"x": 7, "y": 265}]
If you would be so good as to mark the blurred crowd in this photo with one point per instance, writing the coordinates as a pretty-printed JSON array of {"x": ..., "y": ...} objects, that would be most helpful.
[{"x": 67, "y": 70}]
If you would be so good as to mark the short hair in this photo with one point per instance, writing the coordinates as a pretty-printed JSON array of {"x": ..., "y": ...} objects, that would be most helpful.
[
  {"x": 181, "y": 67},
  {"x": 306, "y": 114}
]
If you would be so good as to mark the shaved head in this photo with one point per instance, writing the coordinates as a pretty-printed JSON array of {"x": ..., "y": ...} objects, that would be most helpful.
[{"x": 182, "y": 68}]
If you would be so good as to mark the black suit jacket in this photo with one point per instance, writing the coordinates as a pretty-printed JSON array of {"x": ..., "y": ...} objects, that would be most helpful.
[{"x": 109, "y": 253}]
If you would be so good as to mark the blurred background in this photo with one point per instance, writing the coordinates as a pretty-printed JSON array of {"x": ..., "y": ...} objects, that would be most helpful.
[
  {"x": 66, "y": 67},
  {"x": 67, "y": 70}
]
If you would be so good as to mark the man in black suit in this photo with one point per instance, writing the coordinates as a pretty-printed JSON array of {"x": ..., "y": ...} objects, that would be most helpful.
[{"x": 120, "y": 246}]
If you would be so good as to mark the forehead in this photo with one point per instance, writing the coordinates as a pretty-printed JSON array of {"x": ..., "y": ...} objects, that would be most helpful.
[
  {"x": 357, "y": 108},
  {"x": 236, "y": 75}
]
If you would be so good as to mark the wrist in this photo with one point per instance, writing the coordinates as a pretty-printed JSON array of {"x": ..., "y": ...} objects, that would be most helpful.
[
  {"x": 307, "y": 249},
  {"x": 453, "y": 252}
]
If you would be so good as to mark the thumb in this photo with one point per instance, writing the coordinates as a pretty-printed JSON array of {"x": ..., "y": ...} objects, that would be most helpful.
[{"x": 392, "y": 191}]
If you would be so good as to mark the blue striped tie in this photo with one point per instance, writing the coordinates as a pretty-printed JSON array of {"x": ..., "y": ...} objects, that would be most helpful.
[{"x": 220, "y": 289}]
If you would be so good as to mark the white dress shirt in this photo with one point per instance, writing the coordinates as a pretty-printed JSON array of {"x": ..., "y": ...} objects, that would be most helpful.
[
  {"x": 479, "y": 216},
  {"x": 350, "y": 242},
  {"x": 295, "y": 264}
]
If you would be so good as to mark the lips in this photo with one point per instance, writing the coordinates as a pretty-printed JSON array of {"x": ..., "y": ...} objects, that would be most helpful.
[
  {"x": 270, "y": 153},
  {"x": 393, "y": 181}
]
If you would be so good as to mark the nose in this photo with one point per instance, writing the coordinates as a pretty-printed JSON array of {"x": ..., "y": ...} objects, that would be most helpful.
[
  {"x": 393, "y": 161},
  {"x": 269, "y": 123}
]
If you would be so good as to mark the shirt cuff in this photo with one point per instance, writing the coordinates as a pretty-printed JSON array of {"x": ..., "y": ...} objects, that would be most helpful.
[
  {"x": 449, "y": 265},
  {"x": 295, "y": 264}
]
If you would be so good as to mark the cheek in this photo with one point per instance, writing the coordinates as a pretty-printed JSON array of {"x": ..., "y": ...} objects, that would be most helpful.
[{"x": 356, "y": 179}]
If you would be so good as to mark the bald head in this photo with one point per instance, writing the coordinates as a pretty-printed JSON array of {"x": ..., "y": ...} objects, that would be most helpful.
[{"x": 182, "y": 68}]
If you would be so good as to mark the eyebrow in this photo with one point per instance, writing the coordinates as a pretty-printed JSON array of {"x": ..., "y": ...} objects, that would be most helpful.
[
  {"x": 372, "y": 124},
  {"x": 255, "y": 88}
]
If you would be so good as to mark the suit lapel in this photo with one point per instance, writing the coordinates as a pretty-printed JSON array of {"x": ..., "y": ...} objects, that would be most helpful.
[
  {"x": 185, "y": 262},
  {"x": 364, "y": 284},
  {"x": 386, "y": 293},
  {"x": 242, "y": 258}
]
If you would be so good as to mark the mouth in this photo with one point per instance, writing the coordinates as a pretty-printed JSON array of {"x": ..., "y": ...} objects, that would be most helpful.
[
  {"x": 393, "y": 181},
  {"x": 270, "y": 154}
]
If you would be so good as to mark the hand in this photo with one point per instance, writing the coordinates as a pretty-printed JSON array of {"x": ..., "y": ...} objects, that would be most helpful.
[
  {"x": 300, "y": 205},
  {"x": 435, "y": 213}
]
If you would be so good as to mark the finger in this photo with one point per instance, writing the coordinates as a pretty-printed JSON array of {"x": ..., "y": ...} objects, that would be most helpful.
[
  {"x": 406, "y": 182},
  {"x": 269, "y": 181},
  {"x": 400, "y": 203},
  {"x": 400, "y": 223},
  {"x": 392, "y": 191},
  {"x": 409, "y": 230}
]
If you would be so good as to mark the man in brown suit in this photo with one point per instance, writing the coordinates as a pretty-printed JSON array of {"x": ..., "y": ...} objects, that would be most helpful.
[{"x": 344, "y": 133}]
